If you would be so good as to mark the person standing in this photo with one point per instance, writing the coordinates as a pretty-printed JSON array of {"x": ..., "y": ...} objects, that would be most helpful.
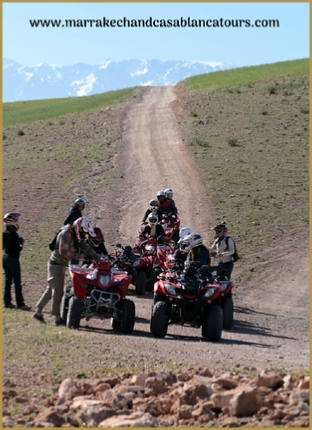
[
  {"x": 224, "y": 248},
  {"x": 12, "y": 245},
  {"x": 70, "y": 241},
  {"x": 75, "y": 211}
]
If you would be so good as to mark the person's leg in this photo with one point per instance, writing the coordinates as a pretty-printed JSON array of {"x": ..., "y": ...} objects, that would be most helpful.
[
  {"x": 7, "y": 298},
  {"x": 57, "y": 287},
  {"x": 46, "y": 296},
  {"x": 227, "y": 269},
  {"x": 17, "y": 282}
]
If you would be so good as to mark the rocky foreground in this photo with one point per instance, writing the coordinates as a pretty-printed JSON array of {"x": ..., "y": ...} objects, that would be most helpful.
[{"x": 192, "y": 398}]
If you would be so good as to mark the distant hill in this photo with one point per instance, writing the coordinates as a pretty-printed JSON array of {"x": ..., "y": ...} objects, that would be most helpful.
[{"x": 44, "y": 81}]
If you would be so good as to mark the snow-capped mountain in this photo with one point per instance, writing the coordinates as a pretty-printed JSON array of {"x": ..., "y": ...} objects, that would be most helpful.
[{"x": 45, "y": 81}]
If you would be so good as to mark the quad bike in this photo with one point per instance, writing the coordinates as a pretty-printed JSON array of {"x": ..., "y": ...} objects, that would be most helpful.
[
  {"x": 171, "y": 225},
  {"x": 190, "y": 297},
  {"x": 144, "y": 264},
  {"x": 165, "y": 258},
  {"x": 98, "y": 291}
]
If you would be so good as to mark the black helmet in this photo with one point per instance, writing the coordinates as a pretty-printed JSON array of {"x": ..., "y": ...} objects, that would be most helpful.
[{"x": 80, "y": 202}]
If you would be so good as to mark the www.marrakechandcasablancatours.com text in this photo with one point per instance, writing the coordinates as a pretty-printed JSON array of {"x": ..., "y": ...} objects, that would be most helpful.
[{"x": 155, "y": 23}]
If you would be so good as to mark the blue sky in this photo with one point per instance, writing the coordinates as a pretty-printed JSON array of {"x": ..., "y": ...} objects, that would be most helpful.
[{"x": 239, "y": 46}]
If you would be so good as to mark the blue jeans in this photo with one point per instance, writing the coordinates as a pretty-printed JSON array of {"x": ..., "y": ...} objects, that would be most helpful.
[
  {"x": 227, "y": 268},
  {"x": 12, "y": 272}
]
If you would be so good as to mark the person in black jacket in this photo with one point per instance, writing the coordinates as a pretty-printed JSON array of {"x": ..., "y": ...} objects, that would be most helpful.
[
  {"x": 75, "y": 211},
  {"x": 153, "y": 229},
  {"x": 12, "y": 245}
]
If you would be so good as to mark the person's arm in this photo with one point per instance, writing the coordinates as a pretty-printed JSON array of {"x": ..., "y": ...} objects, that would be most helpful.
[
  {"x": 88, "y": 251},
  {"x": 147, "y": 212}
]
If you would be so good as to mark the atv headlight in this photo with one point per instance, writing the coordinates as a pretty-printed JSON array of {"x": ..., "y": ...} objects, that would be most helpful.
[
  {"x": 136, "y": 263},
  {"x": 210, "y": 292},
  {"x": 224, "y": 286},
  {"x": 170, "y": 289},
  {"x": 104, "y": 280}
]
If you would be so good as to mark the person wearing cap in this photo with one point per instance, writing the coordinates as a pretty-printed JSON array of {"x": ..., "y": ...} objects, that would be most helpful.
[
  {"x": 12, "y": 245},
  {"x": 75, "y": 211}
]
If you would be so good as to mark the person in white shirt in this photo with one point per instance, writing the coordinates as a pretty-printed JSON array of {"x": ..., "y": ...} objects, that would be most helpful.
[{"x": 223, "y": 247}]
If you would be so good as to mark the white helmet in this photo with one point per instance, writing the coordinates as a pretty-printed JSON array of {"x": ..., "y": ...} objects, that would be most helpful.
[
  {"x": 168, "y": 191},
  {"x": 161, "y": 193},
  {"x": 185, "y": 231},
  {"x": 190, "y": 242},
  {"x": 153, "y": 217},
  {"x": 153, "y": 204},
  {"x": 83, "y": 225}
]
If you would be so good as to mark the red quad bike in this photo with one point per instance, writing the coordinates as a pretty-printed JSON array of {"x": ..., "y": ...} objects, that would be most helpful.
[
  {"x": 98, "y": 291},
  {"x": 171, "y": 228},
  {"x": 165, "y": 258},
  {"x": 190, "y": 297},
  {"x": 144, "y": 265}
]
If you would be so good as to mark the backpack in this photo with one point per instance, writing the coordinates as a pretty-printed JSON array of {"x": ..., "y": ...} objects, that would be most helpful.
[
  {"x": 53, "y": 241},
  {"x": 235, "y": 256}
]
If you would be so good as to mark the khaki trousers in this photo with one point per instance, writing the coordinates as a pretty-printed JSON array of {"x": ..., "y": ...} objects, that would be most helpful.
[{"x": 55, "y": 288}]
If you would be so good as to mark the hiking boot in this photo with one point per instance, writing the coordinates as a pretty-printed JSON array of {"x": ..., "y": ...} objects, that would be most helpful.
[
  {"x": 10, "y": 306},
  {"x": 39, "y": 318},
  {"x": 24, "y": 308},
  {"x": 60, "y": 322}
]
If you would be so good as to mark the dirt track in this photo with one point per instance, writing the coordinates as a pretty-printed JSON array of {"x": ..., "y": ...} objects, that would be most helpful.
[{"x": 271, "y": 326}]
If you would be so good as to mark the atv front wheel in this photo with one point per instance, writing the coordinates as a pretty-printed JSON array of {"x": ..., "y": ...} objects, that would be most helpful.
[
  {"x": 159, "y": 319},
  {"x": 74, "y": 313},
  {"x": 127, "y": 317},
  {"x": 214, "y": 322},
  {"x": 140, "y": 283},
  {"x": 228, "y": 313}
]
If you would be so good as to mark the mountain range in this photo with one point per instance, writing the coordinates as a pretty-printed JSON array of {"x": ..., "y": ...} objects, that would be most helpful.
[{"x": 44, "y": 81}]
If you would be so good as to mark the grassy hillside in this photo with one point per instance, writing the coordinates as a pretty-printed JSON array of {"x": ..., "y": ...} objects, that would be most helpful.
[
  {"x": 30, "y": 111},
  {"x": 248, "y": 129}
]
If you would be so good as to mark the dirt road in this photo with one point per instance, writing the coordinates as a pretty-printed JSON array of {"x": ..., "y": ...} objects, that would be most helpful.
[{"x": 271, "y": 326}]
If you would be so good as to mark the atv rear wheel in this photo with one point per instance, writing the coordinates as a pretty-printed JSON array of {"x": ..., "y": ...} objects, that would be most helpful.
[
  {"x": 127, "y": 317},
  {"x": 140, "y": 283},
  {"x": 68, "y": 293},
  {"x": 74, "y": 313},
  {"x": 214, "y": 322},
  {"x": 159, "y": 319},
  {"x": 228, "y": 313}
]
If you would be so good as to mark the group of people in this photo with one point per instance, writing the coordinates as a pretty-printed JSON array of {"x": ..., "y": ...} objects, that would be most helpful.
[
  {"x": 77, "y": 236},
  {"x": 191, "y": 248}
]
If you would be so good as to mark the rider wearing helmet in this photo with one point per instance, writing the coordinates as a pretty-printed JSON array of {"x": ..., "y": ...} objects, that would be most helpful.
[
  {"x": 183, "y": 233},
  {"x": 224, "y": 249},
  {"x": 97, "y": 242},
  {"x": 153, "y": 229},
  {"x": 12, "y": 245},
  {"x": 153, "y": 207},
  {"x": 165, "y": 205},
  {"x": 75, "y": 211},
  {"x": 196, "y": 251},
  {"x": 70, "y": 241}
]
